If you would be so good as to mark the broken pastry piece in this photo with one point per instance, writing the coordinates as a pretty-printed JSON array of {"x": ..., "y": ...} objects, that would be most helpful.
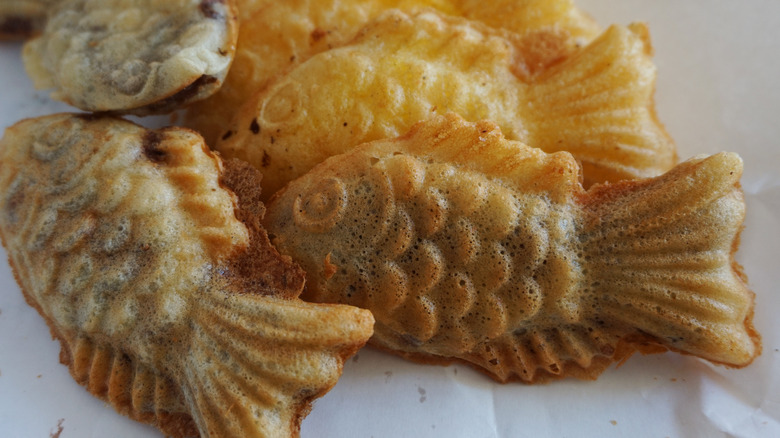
[
  {"x": 139, "y": 57},
  {"x": 597, "y": 104},
  {"x": 470, "y": 247},
  {"x": 127, "y": 243},
  {"x": 284, "y": 34}
]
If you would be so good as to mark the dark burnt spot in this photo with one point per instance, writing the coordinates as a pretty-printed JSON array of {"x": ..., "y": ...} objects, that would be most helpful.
[
  {"x": 411, "y": 340},
  {"x": 607, "y": 350},
  {"x": 207, "y": 7},
  {"x": 254, "y": 127},
  {"x": 151, "y": 147},
  {"x": 12, "y": 206},
  {"x": 273, "y": 140},
  {"x": 266, "y": 159},
  {"x": 18, "y": 26},
  {"x": 318, "y": 34},
  {"x": 227, "y": 135},
  {"x": 185, "y": 95},
  {"x": 93, "y": 117}
]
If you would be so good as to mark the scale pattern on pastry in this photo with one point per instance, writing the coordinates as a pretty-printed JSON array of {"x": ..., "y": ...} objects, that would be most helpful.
[
  {"x": 468, "y": 246},
  {"x": 127, "y": 243}
]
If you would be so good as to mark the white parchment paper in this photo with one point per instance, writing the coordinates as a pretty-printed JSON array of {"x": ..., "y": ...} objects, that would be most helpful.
[{"x": 718, "y": 89}]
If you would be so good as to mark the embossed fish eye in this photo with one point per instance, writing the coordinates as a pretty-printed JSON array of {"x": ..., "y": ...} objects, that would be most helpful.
[
  {"x": 45, "y": 151},
  {"x": 52, "y": 142},
  {"x": 322, "y": 208},
  {"x": 280, "y": 105}
]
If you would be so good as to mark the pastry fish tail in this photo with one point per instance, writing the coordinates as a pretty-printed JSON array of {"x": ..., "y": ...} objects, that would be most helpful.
[
  {"x": 599, "y": 106},
  {"x": 256, "y": 363},
  {"x": 659, "y": 257}
]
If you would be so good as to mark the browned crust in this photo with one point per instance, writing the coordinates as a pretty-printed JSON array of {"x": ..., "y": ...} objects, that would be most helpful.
[
  {"x": 260, "y": 268},
  {"x": 624, "y": 349},
  {"x": 207, "y": 8},
  {"x": 19, "y": 27},
  {"x": 263, "y": 269},
  {"x": 202, "y": 86},
  {"x": 94, "y": 373}
]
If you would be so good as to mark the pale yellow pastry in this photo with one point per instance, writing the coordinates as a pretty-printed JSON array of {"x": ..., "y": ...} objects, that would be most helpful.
[
  {"x": 166, "y": 304},
  {"x": 467, "y": 246},
  {"x": 279, "y": 35},
  {"x": 133, "y": 56},
  {"x": 401, "y": 69}
]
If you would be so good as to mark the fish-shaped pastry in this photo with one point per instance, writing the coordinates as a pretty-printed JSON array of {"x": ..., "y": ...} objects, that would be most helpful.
[
  {"x": 467, "y": 246},
  {"x": 26, "y": 18},
  {"x": 166, "y": 305},
  {"x": 133, "y": 56},
  {"x": 278, "y": 35},
  {"x": 402, "y": 69}
]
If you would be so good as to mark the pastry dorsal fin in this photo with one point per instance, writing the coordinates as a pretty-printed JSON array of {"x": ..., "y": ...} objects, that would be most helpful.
[{"x": 481, "y": 147}]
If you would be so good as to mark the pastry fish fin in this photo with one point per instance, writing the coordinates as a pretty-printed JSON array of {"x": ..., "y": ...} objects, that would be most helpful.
[
  {"x": 256, "y": 363},
  {"x": 129, "y": 386},
  {"x": 599, "y": 106},
  {"x": 546, "y": 354},
  {"x": 481, "y": 147},
  {"x": 660, "y": 258}
]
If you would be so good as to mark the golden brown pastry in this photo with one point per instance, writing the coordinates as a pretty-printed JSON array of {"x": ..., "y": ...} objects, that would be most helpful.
[
  {"x": 127, "y": 243},
  {"x": 467, "y": 246},
  {"x": 280, "y": 35},
  {"x": 597, "y": 104},
  {"x": 133, "y": 57}
]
